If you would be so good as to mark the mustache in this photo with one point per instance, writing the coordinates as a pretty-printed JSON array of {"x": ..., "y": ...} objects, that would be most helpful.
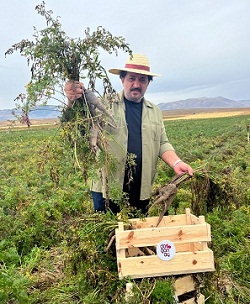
[{"x": 136, "y": 89}]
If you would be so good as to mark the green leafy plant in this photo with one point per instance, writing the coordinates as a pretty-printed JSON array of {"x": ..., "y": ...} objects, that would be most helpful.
[
  {"x": 163, "y": 292},
  {"x": 54, "y": 57}
]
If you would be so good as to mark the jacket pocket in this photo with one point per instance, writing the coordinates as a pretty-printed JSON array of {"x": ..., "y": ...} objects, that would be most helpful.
[{"x": 155, "y": 130}]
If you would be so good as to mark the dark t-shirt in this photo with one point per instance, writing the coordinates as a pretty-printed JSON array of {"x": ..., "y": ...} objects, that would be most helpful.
[{"x": 134, "y": 120}]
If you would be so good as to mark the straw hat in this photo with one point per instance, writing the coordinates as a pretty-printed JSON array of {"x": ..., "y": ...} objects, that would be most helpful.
[{"x": 137, "y": 64}]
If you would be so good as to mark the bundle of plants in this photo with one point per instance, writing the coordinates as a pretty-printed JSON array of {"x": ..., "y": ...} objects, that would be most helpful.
[{"x": 55, "y": 58}]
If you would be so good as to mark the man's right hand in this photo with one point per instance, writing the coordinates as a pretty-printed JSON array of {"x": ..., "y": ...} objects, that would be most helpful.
[{"x": 73, "y": 90}]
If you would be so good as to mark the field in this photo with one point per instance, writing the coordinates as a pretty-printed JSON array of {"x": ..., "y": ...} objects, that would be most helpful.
[
  {"x": 169, "y": 115},
  {"x": 52, "y": 247},
  {"x": 204, "y": 113},
  {"x": 35, "y": 123}
]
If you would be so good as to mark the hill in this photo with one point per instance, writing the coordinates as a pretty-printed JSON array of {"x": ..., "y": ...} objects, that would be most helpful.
[
  {"x": 204, "y": 103},
  {"x": 41, "y": 112}
]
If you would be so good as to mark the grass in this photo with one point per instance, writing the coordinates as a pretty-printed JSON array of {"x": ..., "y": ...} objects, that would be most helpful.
[{"x": 52, "y": 244}]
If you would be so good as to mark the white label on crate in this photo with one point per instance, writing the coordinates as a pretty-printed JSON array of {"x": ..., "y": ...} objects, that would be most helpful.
[{"x": 165, "y": 250}]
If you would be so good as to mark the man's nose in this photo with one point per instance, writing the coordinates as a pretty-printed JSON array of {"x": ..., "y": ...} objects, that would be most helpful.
[{"x": 136, "y": 83}]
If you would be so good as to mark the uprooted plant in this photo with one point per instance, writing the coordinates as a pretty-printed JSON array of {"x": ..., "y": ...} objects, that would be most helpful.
[
  {"x": 166, "y": 194},
  {"x": 53, "y": 58}
]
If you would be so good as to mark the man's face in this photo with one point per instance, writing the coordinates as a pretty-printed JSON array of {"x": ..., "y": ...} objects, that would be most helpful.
[{"x": 135, "y": 86}]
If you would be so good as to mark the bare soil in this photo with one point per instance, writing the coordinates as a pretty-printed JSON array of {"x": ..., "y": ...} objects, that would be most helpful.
[
  {"x": 204, "y": 113},
  {"x": 34, "y": 123}
]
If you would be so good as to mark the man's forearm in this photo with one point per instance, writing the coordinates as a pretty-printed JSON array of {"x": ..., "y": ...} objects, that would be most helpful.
[{"x": 171, "y": 158}]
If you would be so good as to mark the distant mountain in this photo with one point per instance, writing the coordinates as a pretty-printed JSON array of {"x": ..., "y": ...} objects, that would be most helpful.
[
  {"x": 50, "y": 111},
  {"x": 41, "y": 112},
  {"x": 204, "y": 103}
]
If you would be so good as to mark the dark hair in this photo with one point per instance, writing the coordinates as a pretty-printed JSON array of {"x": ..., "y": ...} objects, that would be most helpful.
[{"x": 124, "y": 73}]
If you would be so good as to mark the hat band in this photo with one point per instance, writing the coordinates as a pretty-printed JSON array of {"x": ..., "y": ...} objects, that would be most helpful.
[{"x": 137, "y": 67}]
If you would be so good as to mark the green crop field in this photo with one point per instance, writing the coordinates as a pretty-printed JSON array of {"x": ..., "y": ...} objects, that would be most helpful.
[{"x": 52, "y": 244}]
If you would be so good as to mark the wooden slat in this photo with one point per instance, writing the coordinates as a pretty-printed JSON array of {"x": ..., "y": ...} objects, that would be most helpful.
[
  {"x": 184, "y": 247},
  {"x": 189, "y": 222},
  {"x": 122, "y": 253},
  {"x": 152, "y": 266},
  {"x": 194, "y": 220},
  {"x": 178, "y": 247},
  {"x": 152, "y": 236},
  {"x": 170, "y": 220},
  {"x": 184, "y": 285}
]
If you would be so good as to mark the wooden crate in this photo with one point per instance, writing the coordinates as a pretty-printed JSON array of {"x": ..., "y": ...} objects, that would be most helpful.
[
  {"x": 189, "y": 234},
  {"x": 184, "y": 287}
]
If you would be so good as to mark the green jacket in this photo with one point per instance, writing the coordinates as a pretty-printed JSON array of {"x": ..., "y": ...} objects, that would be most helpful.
[{"x": 154, "y": 144}]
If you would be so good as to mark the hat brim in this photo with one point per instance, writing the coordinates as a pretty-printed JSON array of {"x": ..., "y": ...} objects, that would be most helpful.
[{"x": 117, "y": 72}]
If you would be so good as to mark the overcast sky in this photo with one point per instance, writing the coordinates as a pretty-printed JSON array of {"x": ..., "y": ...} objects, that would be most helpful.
[{"x": 200, "y": 47}]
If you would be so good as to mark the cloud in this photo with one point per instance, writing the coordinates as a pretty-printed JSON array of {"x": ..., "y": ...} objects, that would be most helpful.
[{"x": 199, "y": 47}]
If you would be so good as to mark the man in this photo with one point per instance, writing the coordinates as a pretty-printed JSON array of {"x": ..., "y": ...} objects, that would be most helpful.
[{"x": 140, "y": 131}]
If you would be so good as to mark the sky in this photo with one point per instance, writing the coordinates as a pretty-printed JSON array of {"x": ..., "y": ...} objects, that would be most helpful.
[{"x": 200, "y": 47}]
